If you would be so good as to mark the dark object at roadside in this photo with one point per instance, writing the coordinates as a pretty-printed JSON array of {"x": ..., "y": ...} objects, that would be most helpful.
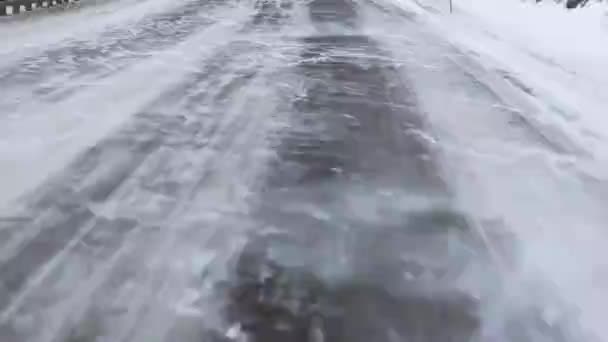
[{"x": 570, "y": 4}]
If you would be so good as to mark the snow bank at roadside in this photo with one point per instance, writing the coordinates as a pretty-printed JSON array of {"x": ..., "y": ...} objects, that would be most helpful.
[
  {"x": 560, "y": 55},
  {"x": 576, "y": 40}
]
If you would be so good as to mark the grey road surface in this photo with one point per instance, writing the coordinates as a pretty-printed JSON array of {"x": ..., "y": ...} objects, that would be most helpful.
[{"x": 276, "y": 179}]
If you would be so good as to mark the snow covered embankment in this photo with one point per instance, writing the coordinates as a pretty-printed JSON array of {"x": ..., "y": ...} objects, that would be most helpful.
[{"x": 560, "y": 55}]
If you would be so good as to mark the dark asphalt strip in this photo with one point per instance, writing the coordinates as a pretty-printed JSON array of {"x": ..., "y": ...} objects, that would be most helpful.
[{"x": 351, "y": 133}]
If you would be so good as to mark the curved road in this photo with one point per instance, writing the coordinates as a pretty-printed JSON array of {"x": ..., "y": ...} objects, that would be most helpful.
[{"x": 225, "y": 170}]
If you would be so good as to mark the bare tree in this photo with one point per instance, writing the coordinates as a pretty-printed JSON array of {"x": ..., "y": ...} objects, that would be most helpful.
[{"x": 570, "y": 4}]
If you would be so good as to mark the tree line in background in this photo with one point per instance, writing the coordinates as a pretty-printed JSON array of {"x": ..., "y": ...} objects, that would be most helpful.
[{"x": 573, "y": 3}]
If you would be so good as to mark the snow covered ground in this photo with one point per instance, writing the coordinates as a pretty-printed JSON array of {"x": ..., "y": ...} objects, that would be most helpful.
[
  {"x": 556, "y": 62},
  {"x": 560, "y": 55}
]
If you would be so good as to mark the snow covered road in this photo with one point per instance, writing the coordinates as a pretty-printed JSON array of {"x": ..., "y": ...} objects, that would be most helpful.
[{"x": 324, "y": 170}]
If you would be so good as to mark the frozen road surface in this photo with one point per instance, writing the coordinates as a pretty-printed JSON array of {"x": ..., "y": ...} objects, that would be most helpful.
[{"x": 269, "y": 171}]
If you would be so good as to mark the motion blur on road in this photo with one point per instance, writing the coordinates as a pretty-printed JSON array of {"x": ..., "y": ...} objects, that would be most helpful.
[{"x": 267, "y": 171}]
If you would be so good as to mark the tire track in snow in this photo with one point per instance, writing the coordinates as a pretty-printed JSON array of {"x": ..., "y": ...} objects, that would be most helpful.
[
  {"x": 480, "y": 120},
  {"x": 200, "y": 130},
  {"x": 219, "y": 186},
  {"x": 92, "y": 178},
  {"x": 177, "y": 180}
]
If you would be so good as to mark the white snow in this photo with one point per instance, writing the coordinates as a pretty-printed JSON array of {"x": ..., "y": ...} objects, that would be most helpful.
[
  {"x": 554, "y": 201},
  {"x": 561, "y": 54}
]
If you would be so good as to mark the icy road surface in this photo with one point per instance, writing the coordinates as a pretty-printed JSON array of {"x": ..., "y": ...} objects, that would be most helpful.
[{"x": 324, "y": 170}]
